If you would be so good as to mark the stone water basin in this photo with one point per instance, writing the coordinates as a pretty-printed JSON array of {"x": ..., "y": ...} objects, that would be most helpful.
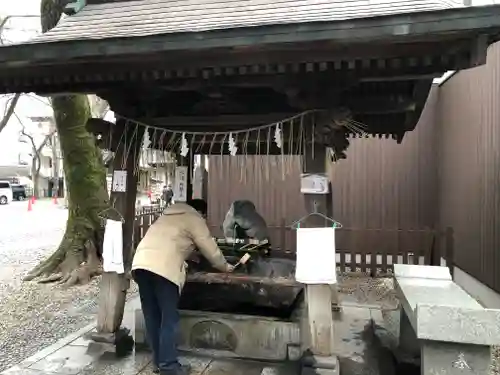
[
  {"x": 253, "y": 313},
  {"x": 263, "y": 287}
]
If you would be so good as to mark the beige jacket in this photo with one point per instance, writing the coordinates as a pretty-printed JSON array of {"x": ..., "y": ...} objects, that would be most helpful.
[{"x": 171, "y": 240}]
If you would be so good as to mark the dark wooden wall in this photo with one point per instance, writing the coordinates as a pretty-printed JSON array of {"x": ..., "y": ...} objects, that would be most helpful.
[
  {"x": 469, "y": 167},
  {"x": 387, "y": 185},
  {"x": 274, "y": 191},
  {"x": 445, "y": 174},
  {"x": 380, "y": 185}
]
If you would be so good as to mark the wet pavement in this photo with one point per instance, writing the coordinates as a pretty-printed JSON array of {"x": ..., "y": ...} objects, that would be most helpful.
[
  {"x": 28, "y": 236},
  {"x": 71, "y": 356},
  {"x": 358, "y": 352}
]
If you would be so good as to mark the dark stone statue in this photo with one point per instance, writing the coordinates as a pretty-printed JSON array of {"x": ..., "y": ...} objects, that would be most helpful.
[{"x": 243, "y": 221}]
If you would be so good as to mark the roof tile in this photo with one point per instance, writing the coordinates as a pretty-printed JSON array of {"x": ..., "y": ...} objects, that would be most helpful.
[{"x": 153, "y": 17}]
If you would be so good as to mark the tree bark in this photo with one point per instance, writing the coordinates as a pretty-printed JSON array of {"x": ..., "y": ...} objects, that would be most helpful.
[
  {"x": 77, "y": 259},
  {"x": 35, "y": 173},
  {"x": 55, "y": 166}
]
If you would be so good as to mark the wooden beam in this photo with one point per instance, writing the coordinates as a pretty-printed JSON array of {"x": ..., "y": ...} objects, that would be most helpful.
[
  {"x": 218, "y": 121},
  {"x": 380, "y": 105},
  {"x": 421, "y": 91},
  {"x": 61, "y": 80},
  {"x": 479, "y": 50},
  {"x": 372, "y": 105},
  {"x": 289, "y": 80}
]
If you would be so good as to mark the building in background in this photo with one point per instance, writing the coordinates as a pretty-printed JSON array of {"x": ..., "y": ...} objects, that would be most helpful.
[
  {"x": 32, "y": 117},
  {"x": 51, "y": 175}
]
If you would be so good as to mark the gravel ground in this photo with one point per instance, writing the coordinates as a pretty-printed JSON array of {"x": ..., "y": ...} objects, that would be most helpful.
[
  {"x": 34, "y": 316},
  {"x": 495, "y": 361},
  {"x": 361, "y": 289}
]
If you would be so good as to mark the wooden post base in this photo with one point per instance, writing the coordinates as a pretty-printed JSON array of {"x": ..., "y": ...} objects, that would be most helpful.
[
  {"x": 112, "y": 297},
  {"x": 120, "y": 342},
  {"x": 320, "y": 319}
]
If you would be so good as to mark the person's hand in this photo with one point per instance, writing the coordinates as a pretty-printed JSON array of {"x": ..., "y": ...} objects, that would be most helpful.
[{"x": 229, "y": 268}]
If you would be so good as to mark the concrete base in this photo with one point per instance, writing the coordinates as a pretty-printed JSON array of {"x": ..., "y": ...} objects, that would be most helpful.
[
  {"x": 319, "y": 365},
  {"x": 454, "y": 331},
  {"x": 314, "y": 361},
  {"x": 454, "y": 359},
  {"x": 408, "y": 341},
  {"x": 489, "y": 298},
  {"x": 318, "y": 371},
  {"x": 232, "y": 335},
  {"x": 119, "y": 343}
]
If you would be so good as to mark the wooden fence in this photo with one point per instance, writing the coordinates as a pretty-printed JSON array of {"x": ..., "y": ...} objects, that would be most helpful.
[
  {"x": 144, "y": 217},
  {"x": 372, "y": 251}
]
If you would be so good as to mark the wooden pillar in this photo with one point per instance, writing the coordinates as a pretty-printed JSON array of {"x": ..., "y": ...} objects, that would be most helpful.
[
  {"x": 113, "y": 287},
  {"x": 319, "y": 296}
]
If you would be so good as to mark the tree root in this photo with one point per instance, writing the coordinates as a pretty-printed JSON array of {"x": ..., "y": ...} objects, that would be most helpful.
[{"x": 75, "y": 262}]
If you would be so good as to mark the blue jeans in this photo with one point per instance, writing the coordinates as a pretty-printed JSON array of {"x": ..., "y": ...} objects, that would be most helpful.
[{"x": 159, "y": 300}]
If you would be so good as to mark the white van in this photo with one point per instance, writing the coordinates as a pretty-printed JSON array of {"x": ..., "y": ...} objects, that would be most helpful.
[{"x": 5, "y": 192}]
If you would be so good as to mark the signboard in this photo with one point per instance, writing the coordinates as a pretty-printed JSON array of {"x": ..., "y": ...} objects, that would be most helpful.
[
  {"x": 119, "y": 181},
  {"x": 180, "y": 184},
  {"x": 314, "y": 183}
]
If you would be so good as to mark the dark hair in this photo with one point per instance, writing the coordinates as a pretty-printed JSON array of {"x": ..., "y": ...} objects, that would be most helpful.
[{"x": 199, "y": 205}]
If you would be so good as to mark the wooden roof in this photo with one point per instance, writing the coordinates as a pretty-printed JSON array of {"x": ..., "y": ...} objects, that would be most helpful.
[
  {"x": 222, "y": 58},
  {"x": 447, "y": 24},
  {"x": 153, "y": 17}
]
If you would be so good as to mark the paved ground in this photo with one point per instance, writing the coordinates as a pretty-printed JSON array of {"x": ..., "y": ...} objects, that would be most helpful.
[
  {"x": 32, "y": 315},
  {"x": 35, "y": 316},
  {"x": 71, "y": 356}
]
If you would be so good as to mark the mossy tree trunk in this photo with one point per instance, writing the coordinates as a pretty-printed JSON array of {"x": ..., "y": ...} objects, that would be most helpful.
[{"x": 77, "y": 259}]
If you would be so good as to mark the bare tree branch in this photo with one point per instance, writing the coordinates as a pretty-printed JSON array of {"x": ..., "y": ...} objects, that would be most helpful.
[
  {"x": 35, "y": 97},
  {"x": 9, "y": 110},
  {"x": 11, "y": 106},
  {"x": 30, "y": 137},
  {"x": 4, "y": 21}
]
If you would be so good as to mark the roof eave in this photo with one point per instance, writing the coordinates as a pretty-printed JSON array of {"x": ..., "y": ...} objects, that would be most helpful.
[{"x": 463, "y": 21}]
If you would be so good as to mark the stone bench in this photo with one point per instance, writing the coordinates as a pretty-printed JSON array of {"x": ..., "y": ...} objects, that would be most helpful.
[{"x": 448, "y": 328}]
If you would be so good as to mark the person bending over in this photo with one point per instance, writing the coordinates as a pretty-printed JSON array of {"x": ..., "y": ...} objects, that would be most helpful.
[{"x": 159, "y": 268}]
